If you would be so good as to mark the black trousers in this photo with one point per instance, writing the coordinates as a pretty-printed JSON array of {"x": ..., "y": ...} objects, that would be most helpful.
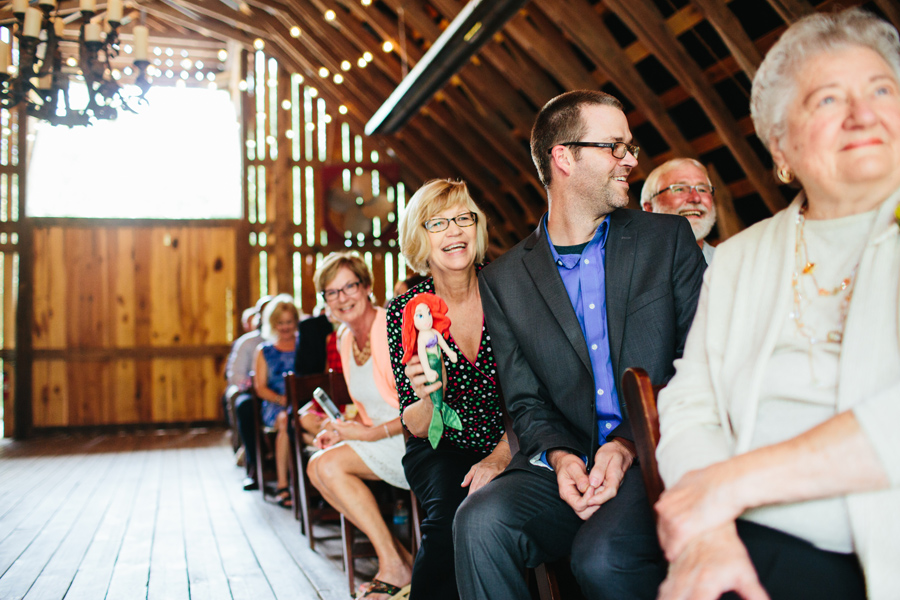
[
  {"x": 518, "y": 521},
  {"x": 435, "y": 476},
  {"x": 792, "y": 569}
]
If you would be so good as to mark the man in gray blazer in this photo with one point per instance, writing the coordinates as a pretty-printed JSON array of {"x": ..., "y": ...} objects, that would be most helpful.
[{"x": 594, "y": 290}]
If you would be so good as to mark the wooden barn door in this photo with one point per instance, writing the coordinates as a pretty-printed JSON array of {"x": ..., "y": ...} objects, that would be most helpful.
[{"x": 131, "y": 324}]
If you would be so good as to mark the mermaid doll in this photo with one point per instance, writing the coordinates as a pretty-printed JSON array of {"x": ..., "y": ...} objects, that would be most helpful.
[{"x": 425, "y": 325}]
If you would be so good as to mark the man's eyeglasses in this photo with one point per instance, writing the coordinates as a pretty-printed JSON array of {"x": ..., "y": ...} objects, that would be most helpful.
[
  {"x": 349, "y": 290},
  {"x": 682, "y": 189},
  {"x": 437, "y": 224},
  {"x": 619, "y": 149}
]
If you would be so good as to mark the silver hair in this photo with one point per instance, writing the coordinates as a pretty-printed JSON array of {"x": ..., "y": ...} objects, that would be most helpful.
[
  {"x": 774, "y": 85},
  {"x": 651, "y": 185}
]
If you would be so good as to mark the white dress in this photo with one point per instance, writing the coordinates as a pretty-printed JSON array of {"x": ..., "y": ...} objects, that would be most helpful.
[{"x": 382, "y": 456}]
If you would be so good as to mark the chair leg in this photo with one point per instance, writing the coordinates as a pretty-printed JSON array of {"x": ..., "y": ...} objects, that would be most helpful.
[
  {"x": 548, "y": 588},
  {"x": 347, "y": 533},
  {"x": 260, "y": 441},
  {"x": 416, "y": 532}
]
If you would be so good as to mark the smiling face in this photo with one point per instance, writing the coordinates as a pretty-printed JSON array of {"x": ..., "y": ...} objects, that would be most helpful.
[
  {"x": 348, "y": 309},
  {"x": 698, "y": 208},
  {"x": 842, "y": 138},
  {"x": 453, "y": 249},
  {"x": 598, "y": 178},
  {"x": 285, "y": 326}
]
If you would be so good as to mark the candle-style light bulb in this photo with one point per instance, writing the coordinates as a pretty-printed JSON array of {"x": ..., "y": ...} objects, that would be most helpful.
[
  {"x": 114, "y": 11},
  {"x": 141, "y": 42},
  {"x": 33, "y": 19}
]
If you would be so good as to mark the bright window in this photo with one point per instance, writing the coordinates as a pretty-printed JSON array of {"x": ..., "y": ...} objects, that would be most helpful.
[{"x": 178, "y": 159}]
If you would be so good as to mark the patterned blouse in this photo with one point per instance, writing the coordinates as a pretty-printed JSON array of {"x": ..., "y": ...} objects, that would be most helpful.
[{"x": 471, "y": 389}]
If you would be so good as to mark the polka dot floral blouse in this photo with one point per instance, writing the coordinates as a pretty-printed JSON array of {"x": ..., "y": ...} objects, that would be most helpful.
[{"x": 471, "y": 388}]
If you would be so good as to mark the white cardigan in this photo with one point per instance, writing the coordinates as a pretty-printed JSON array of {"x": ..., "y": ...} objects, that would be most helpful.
[{"x": 708, "y": 411}]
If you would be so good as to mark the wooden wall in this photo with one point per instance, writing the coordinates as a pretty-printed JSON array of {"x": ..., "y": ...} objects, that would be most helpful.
[{"x": 131, "y": 324}]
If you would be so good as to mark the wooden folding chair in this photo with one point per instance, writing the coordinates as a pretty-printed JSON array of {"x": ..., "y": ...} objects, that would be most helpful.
[
  {"x": 309, "y": 506},
  {"x": 640, "y": 402}
]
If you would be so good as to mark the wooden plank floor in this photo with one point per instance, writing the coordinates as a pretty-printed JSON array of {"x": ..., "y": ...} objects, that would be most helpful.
[{"x": 159, "y": 515}]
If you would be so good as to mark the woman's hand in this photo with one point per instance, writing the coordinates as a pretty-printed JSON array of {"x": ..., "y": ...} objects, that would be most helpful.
[
  {"x": 354, "y": 430},
  {"x": 700, "y": 501},
  {"x": 713, "y": 563},
  {"x": 487, "y": 468},
  {"x": 326, "y": 438},
  {"x": 418, "y": 379}
]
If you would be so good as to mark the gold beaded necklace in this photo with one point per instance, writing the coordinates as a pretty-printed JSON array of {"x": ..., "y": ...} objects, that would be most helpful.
[{"x": 803, "y": 266}]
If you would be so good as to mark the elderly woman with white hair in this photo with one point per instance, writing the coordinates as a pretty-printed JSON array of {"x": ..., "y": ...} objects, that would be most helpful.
[
  {"x": 444, "y": 234},
  {"x": 779, "y": 444}
]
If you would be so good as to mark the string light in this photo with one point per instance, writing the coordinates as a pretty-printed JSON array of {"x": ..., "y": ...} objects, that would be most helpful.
[
  {"x": 295, "y": 31},
  {"x": 338, "y": 78},
  {"x": 329, "y": 15},
  {"x": 367, "y": 56},
  {"x": 323, "y": 72},
  {"x": 387, "y": 46},
  {"x": 342, "y": 109},
  {"x": 361, "y": 62},
  {"x": 259, "y": 44},
  {"x": 345, "y": 65}
]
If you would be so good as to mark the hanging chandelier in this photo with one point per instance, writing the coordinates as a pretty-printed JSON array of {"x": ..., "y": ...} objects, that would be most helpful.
[{"x": 42, "y": 77}]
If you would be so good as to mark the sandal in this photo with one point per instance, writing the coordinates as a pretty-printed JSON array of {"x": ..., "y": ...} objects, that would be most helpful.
[
  {"x": 379, "y": 587},
  {"x": 283, "y": 497}
]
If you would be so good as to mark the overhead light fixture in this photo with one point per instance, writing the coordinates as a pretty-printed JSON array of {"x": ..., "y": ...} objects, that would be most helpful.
[
  {"x": 42, "y": 78},
  {"x": 476, "y": 24}
]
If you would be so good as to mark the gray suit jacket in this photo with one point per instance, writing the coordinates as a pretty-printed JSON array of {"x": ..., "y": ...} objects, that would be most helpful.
[{"x": 654, "y": 271}]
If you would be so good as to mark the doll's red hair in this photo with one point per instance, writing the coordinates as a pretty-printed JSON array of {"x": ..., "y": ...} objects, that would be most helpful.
[{"x": 438, "y": 315}]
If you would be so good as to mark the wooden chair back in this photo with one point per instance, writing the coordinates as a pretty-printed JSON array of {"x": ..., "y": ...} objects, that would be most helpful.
[{"x": 640, "y": 402}]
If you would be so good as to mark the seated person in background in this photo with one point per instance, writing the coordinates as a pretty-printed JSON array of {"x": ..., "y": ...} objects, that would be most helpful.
[
  {"x": 274, "y": 358},
  {"x": 369, "y": 447},
  {"x": 316, "y": 353},
  {"x": 681, "y": 186},
  {"x": 407, "y": 284},
  {"x": 442, "y": 214},
  {"x": 779, "y": 431},
  {"x": 237, "y": 396},
  {"x": 595, "y": 289}
]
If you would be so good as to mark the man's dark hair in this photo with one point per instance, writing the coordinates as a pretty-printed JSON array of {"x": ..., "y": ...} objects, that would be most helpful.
[{"x": 560, "y": 121}]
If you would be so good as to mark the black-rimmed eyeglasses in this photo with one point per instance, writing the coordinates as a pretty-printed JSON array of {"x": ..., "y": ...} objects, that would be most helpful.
[
  {"x": 682, "y": 189},
  {"x": 619, "y": 149},
  {"x": 437, "y": 224},
  {"x": 348, "y": 290}
]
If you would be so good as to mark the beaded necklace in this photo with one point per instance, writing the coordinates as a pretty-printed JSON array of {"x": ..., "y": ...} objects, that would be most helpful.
[{"x": 803, "y": 266}]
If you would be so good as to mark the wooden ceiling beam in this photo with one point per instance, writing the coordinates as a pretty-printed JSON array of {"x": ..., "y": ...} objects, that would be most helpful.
[
  {"x": 501, "y": 139},
  {"x": 891, "y": 10},
  {"x": 535, "y": 34},
  {"x": 644, "y": 19},
  {"x": 481, "y": 151},
  {"x": 791, "y": 10},
  {"x": 733, "y": 35},
  {"x": 458, "y": 158}
]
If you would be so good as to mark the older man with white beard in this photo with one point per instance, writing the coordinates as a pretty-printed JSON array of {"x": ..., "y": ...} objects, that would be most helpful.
[{"x": 681, "y": 186}]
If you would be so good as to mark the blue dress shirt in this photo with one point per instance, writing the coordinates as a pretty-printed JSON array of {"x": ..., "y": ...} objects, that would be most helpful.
[{"x": 584, "y": 276}]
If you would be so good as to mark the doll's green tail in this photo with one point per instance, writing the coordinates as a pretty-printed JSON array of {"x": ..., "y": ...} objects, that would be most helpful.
[{"x": 443, "y": 414}]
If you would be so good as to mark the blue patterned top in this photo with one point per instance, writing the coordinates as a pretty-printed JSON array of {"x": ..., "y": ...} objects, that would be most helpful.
[{"x": 278, "y": 363}]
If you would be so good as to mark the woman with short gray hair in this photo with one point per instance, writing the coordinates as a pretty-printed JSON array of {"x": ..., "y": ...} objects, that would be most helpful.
[{"x": 779, "y": 445}]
